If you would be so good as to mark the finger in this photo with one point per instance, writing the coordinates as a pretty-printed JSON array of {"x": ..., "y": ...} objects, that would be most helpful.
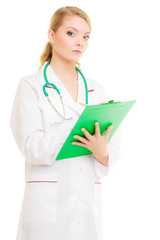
[
  {"x": 86, "y": 133},
  {"x": 78, "y": 144},
  {"x": 108, "y": 131},
  {"x": 97, "y": 129},
  {"x": 81, "y": 139}
]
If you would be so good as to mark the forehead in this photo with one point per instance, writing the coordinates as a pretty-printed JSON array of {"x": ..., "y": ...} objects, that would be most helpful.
[{"x": 77, "y": 22}]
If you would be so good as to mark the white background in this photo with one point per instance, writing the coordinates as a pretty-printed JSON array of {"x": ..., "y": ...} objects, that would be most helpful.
[{"x": 124, "y": 56}]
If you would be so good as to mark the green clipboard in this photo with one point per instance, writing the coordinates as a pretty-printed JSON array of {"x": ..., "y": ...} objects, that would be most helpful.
[{"x": 106, "y": 114}]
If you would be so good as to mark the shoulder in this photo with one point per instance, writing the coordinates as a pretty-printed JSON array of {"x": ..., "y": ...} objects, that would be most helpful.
[
  {"x": 30, "y": 79},
  {"x": 30, "y": 82}
]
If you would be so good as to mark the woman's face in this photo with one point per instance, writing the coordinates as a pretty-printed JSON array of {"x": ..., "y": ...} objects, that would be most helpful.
[{"x": 72, "y": 35}]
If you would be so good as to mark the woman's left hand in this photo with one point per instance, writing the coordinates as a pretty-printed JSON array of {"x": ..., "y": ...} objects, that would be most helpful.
[{"x": 96, "y": 143}]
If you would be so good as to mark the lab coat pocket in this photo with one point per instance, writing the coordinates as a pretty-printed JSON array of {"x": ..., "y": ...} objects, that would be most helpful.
[
  {"x": 98, "y": 199},
  {"x": 40, "y": 198}
]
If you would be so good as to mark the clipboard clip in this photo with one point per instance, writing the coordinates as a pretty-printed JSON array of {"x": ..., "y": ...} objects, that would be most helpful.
[{"x": 112, "y": 101}]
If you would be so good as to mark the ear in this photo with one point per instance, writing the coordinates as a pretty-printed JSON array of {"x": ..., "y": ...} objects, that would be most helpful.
[{"x": 51, "y": 36}]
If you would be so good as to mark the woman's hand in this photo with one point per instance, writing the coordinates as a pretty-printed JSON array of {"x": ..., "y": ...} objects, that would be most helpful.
[{"x": 96, "y": 143}]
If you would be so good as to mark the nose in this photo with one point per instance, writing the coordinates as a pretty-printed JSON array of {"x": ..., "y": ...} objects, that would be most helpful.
[{"x": 79, "y": 42}]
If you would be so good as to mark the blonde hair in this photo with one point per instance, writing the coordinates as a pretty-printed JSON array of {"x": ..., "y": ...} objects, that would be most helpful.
[{"x": 55, "y": 23}]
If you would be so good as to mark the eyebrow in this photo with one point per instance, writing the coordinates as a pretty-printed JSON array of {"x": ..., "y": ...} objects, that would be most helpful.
[{"x": 76, "y": 29}]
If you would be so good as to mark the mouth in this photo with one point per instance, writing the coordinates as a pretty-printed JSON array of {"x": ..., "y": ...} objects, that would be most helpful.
[{"x": 77, "y": 51}]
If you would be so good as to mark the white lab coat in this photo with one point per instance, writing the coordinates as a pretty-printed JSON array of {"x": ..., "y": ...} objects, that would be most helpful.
[{"x": 62, "y": 199}]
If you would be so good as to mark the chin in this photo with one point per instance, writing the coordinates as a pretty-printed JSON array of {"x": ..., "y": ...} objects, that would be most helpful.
[
  {"x": 73, "y": 59},
  {"x": 77, "y": 58}
]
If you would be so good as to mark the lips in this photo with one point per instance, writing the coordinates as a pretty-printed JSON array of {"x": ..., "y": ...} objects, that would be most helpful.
[{"x": 76, "y": 51}]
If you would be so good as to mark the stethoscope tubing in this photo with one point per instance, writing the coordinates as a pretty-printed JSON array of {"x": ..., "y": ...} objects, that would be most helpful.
[{"x": 54, "y": 86}]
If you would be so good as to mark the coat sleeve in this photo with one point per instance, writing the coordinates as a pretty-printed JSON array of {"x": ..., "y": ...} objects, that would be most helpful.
[
  {"x": 113, "y": 145},
  {"x": 26, "y": 124}
]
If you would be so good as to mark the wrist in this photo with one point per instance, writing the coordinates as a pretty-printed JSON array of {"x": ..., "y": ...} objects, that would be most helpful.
[{"x": 104, "y": 160}]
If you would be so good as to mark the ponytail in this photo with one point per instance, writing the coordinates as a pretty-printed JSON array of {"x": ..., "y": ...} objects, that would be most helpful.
[{"x": 46, "y": 54}]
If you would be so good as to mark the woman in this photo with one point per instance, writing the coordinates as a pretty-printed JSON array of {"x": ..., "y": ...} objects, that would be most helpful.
[{"x": 62, "y": 199}]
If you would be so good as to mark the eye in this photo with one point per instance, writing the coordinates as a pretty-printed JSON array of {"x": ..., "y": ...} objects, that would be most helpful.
[
  {"x": 86, "y": 37},
  {"x": 70, "y": 33}
]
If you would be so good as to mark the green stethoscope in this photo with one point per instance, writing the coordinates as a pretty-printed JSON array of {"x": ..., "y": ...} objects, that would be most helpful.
[{"x": 54, "y": 86}]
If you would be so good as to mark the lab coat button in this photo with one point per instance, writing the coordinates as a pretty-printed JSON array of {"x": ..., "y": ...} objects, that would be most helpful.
[
  {"x": 81, "y": 198},
  {"x": 80, "y": 168}
]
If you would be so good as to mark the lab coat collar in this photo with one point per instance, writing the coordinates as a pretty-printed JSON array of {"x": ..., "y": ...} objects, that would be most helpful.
[{"x": 66, "y": 97}]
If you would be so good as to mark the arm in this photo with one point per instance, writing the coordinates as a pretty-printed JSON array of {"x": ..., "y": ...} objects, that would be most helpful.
[
  {"x": 37, "y": 146},
  {"x": 104, "y": 153},
  {"x": 113, "y": 155},
  {"x": 113, "y": 147}
]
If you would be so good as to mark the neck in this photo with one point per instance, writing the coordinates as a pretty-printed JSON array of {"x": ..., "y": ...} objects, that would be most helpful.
[{"x": 65, "y": 71}]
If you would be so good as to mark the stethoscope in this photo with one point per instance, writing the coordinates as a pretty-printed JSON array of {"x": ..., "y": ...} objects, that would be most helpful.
[{"x": 60, "y": 97}]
